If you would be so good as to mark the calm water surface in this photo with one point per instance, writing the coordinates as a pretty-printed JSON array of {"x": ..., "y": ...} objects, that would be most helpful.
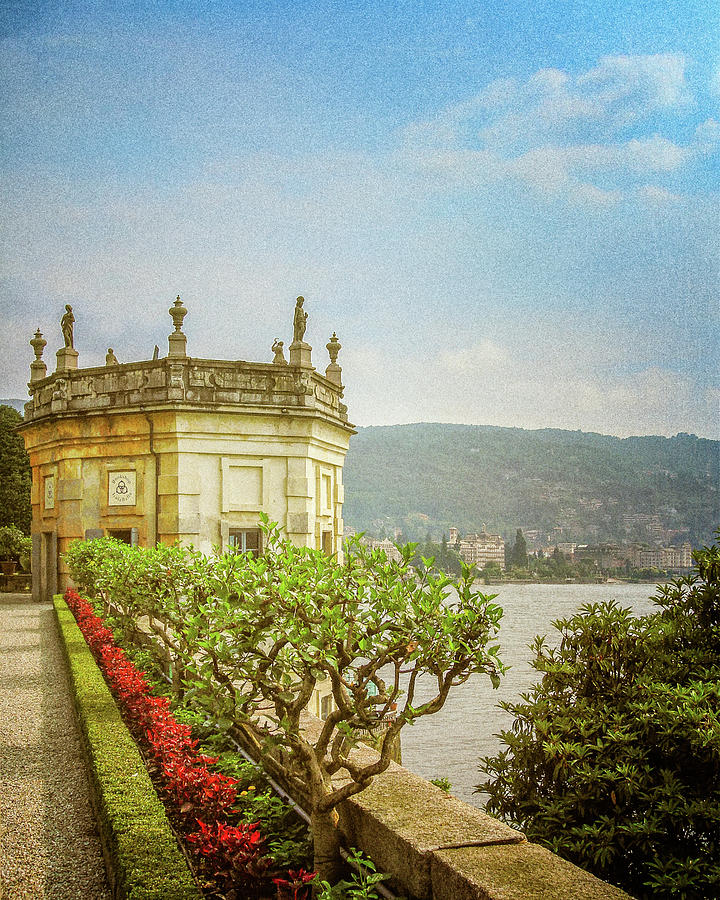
[{"x": 451, "y": 742}]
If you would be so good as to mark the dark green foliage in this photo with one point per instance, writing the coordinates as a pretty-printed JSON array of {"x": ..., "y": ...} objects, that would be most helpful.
[
  {"x": 466, "y": 475},
  {"x": 15, "y": 478},
  {"x": 613, "y": 760},
  {"x": 146, "y": 860},
  {"x": 444, "y": 558},
  {"x": 519, "y": 556}
]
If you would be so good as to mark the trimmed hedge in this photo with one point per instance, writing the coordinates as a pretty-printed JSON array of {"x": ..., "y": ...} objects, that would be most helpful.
[{"x": 145, "y": 860}]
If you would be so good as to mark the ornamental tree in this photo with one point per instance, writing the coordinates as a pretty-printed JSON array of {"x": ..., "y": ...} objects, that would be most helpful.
[
  {"x": 253, "y": 637},
  {"x": 613, "y": 760}
]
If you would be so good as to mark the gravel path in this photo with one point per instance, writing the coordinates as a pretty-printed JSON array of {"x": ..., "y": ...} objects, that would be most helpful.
[{"x": 49, "y": 844}]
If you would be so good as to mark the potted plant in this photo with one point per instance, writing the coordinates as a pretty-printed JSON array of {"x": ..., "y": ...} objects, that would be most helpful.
[{"x": 13, "y": 545}]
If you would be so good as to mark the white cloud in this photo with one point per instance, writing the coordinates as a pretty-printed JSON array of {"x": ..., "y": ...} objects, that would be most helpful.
[
  {"x": 566, "y": 135},
  {"x": 652, "y": 82},
  {"x": 715, "y": 83},
  {"x": 484, "y": 357},
  {"x": 707, "y": 136},
  {"x": 589, "y": 196},
  {"x": 653, "y": 195}
]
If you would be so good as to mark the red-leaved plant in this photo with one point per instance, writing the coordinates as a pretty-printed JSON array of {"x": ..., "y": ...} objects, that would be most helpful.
[
  {"x": 233, "y": 854},
  {"x": 297, "y": 885}
]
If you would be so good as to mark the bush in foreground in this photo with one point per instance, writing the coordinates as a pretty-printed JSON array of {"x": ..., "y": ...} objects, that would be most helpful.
[
  {"x": 247, "y": 641},
  {"x": 613, "y": 760}
]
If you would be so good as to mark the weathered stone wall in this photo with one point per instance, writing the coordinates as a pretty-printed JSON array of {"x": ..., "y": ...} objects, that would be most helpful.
[{"x": 437, "y": 847}]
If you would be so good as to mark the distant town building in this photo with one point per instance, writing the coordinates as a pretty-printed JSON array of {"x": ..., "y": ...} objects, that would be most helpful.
[
  {"x": 479, "y": 549},
  {"x": 605, "y": 556},
  {"x": 391, "y": 551},
  {"x": 639, "y": 525},
  {"x": 661, "y": 557}
]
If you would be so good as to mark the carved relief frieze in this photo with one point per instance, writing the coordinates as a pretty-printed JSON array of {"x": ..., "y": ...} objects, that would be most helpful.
[
  {"x": 233, "y": 383},
  {"x": 198, "y": 377},
  {"x": 176, "y": 377},
  {"x": 302, "y": 385}
]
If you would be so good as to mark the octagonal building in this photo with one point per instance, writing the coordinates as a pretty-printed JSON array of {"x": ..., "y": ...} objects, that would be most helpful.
[{"x": 183, "y": 449}]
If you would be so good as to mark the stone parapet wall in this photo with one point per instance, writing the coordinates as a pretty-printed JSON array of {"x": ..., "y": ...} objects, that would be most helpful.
[
  {"x": 186, "y": 380},
  {"x": 436, "y": 847}
]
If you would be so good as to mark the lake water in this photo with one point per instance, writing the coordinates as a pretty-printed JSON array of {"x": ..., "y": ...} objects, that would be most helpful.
[{"x": 451, "y": 742}]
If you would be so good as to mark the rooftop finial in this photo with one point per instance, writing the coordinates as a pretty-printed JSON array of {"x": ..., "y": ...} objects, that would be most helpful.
[
  {"x": 333, "y": 371},
  {"x": 38, "y": 369},
  {"x": 177, "y": 342},
  {"x": 178, "y": 313},
  {"x": 38, "y": 344}
]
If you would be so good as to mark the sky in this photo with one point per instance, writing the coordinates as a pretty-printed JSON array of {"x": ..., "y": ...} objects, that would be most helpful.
[{"x": 507, "y": 211}]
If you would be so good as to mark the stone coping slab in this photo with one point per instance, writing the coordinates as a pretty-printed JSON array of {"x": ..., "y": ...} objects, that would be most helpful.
[
  {"x": 401, "y": 820},
  {"x": 514, "y": 872}
]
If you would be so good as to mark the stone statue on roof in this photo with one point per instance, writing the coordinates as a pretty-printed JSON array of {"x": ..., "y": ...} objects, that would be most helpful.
[
  {"x": 277, "y": 349},
  {"x": 66, "y": 323},
  {"x": 299, "y": 321}
]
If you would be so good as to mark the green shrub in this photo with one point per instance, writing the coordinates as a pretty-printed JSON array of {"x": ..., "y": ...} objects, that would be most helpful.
[
  {"x": 146, "y": 861},
  {"x": 613, "y": 760},
  {"x": 249, "y": 639}
]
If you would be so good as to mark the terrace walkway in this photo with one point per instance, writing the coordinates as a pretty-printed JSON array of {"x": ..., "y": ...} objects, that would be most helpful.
[{"x": 49, "y": 844}]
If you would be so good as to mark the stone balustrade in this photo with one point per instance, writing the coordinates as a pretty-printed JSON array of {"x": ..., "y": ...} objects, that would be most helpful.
[{"x": 186, "y": 380}]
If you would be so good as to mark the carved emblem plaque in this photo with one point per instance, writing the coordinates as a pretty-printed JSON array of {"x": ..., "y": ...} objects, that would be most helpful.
[
  {"x": 49, "y": 488},
  {"x": 121, "y": 488}
]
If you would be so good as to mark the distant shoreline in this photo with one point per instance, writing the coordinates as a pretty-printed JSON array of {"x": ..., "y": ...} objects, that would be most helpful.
[{"x": 495, "y": 582}]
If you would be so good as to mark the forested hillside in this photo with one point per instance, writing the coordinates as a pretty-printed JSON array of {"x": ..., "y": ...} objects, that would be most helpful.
[{"x": 427, "y": 477}]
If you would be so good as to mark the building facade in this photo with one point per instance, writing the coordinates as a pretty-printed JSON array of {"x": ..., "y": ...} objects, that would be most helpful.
[
  {"x": 479, "y": 549},
  {"x": 661, "y": 557},
  {"x": 184, "y": 449}
]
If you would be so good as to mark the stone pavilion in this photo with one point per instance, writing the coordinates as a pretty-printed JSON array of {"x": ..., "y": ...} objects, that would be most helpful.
[{"x": 183, "y": 449}]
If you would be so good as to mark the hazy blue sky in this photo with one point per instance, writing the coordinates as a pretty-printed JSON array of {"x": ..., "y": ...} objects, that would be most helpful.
[{"x": 508, "y": 211}]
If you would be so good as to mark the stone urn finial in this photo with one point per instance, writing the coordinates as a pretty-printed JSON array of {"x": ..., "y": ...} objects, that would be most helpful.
[
  {"x": 333, "y": 348},
  {"x": 177, "y": 341},
  {"x": 178, "y": 313},
  {"x": 38, "y": 369},
  {"x": 38, "y": 344},
  {"x": 333, "y": 371}
]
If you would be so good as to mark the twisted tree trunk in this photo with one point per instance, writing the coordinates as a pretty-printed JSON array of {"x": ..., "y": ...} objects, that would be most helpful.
[{"x": 326, "y": 846}]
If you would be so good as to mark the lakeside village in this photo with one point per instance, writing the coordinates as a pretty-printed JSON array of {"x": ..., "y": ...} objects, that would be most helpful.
[{"x": 540, "y": 556}]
